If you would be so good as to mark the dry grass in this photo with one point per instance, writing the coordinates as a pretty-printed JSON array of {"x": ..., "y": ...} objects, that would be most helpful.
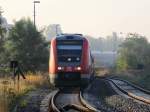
[
  {"x": 101, "y": 71},
  {"x": 10, "y": 89}
]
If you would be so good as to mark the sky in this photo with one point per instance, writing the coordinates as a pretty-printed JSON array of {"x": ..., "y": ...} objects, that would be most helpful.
[{"x": 90, "y": 17}]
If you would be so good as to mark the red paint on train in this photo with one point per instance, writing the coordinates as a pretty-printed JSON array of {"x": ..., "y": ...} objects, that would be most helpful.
[{"x": 71, "y": 62}]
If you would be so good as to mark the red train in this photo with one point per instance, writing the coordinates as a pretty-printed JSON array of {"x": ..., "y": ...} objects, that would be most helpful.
[{"x": 71, "y": 62}]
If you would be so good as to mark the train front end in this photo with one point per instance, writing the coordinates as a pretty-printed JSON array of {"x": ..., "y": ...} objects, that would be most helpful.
[{"x": 69, "y": 63}]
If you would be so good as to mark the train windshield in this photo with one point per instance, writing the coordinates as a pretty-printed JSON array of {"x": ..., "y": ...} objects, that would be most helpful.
[
  {"x": 68, "y": 47},
  {"x": 69, "y": 52}
]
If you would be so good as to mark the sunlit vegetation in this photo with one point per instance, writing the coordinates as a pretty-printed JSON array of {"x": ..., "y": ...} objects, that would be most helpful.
[
  {"x": 12, "y": 90},
  {"x": 99, "y": 71}
]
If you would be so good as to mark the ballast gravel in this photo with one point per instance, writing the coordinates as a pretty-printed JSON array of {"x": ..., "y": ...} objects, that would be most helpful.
[{"x": 101, "y": 95}]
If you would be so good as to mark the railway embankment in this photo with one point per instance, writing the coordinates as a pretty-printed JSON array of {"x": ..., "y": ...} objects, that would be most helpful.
[{"x": 105, "y": 98}]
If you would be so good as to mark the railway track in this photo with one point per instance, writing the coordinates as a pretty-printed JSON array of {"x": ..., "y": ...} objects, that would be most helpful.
[
  {"x": 66, "y": 101},
  {"x": 131, "y": 90},
  {"x": 70, "y": 101}
]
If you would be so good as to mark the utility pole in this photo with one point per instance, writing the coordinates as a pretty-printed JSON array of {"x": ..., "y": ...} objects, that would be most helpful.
[{"x": 34, "y": 11}]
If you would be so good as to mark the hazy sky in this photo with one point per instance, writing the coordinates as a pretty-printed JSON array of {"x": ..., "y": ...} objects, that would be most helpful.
[{"x": 92, "y": 17}]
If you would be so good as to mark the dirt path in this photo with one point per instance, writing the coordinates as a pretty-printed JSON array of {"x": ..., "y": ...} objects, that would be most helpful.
[{"x": 31, "y": 101}]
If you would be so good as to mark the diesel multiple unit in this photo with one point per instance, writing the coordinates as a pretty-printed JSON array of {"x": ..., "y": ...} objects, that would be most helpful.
[{"x": 70, "y": 62}]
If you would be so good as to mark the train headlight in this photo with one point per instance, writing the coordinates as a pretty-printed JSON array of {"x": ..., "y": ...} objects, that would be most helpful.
[
  {"x": 60, "y": 68},
  {"x": 78, "y": 68}
]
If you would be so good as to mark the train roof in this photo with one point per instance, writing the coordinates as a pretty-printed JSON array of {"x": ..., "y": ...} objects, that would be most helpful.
[{"x": 70, "y": 37}]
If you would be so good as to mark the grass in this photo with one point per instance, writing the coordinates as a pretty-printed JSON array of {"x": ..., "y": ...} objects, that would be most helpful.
[
  {"x": 12, "y": 91},
  {"x": 138, "y": 77}
]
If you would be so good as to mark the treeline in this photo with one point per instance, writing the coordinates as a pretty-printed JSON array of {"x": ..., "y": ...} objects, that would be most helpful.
[
  {"x": 110, "y": 43},
  {"x": 134, "y": 53},
  {"x": 25, "y": 44}
]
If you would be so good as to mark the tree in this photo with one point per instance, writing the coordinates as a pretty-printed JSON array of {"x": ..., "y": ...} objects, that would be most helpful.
[
  {"x": 27, "y": 45},
  {"x": 133, "y": 52},
  {"x": 2, "y": 35},
  {"x": 2, "y": 29},
  {"x": 52, "y": 30}
]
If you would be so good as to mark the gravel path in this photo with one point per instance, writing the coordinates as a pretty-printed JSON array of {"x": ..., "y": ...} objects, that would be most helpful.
[
  {"x": 101, "y": 95},
  {"x": 31, "y": 101}
]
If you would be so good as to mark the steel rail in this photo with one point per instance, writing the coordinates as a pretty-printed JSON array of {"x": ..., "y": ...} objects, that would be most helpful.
[
  {"x": 87, "y": 104},
  {"x": 144, "y": 100},
  {"x": 85, "y": 107}
]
